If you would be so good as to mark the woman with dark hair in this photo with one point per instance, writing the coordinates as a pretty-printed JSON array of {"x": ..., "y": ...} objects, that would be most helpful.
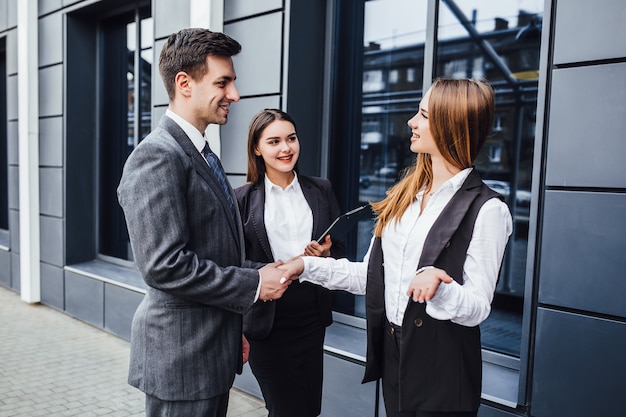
[
  {"x": 442, "y": 233},
  {"x": 283, "y": 213}
]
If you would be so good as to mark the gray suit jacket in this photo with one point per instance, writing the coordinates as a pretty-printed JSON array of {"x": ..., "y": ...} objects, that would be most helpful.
[{"x": 188, "y": 246}]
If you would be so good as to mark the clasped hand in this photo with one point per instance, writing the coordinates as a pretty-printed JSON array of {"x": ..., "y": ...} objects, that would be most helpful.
[
  {"x": 274, "y": 282},
  {"x": 294, "y": 267},
  {"x": 278, "y": 275},
  {"x": 424, "y": 284}
]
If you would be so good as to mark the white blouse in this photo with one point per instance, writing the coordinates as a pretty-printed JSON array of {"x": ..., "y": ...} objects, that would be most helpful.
[
  {"x": 288, "y": 219},
  {"x": 402, "y": 244}
]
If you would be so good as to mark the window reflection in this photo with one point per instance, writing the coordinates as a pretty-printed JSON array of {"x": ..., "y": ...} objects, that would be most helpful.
[
  {"x": 500, "y": 41},
  {"x": 126, "y": 110},
  {"x": 496, "y": 40},
  {"x": 392, "y": 88},
  {"x": 393, "y": 38}
]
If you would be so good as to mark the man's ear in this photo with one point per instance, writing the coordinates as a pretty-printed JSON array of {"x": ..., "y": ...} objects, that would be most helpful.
[{"x": 182, "y": 83}]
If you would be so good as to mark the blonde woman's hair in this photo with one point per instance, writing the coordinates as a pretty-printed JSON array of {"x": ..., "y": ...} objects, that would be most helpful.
[{"x": 460, "y": 114}]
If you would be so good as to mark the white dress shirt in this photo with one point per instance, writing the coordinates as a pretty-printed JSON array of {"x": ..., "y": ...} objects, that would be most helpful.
[
  {"x": 288, "y": 219},
  {"x": 197, "y": 137},
  {"x": 402, "y": 244}
]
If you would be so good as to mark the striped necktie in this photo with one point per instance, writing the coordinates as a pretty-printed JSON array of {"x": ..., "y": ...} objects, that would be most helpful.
[{"x": 218, "y": 171}]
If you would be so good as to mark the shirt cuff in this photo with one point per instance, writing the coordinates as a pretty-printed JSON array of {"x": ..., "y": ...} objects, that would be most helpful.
[
  {"x": 258, "y": 288},
  {"x": 444, "y": 293},
  {"x": 424, "y": 268},
  {"x": 306, "y": 268},
  {"x": 311, "y": 270}
]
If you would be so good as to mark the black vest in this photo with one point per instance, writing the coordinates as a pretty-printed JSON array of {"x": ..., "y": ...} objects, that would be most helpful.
[{"x": 440, "y": 361}]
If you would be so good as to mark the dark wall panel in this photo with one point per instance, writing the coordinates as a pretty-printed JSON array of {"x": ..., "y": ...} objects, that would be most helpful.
[
  {"x": 15, "y": 272},
  {"x": 52, "y": 283},
  {"x": 579, "y": 366},
  {"x": 582, "y": 255},
  {"x": 5, "y": 268},
  {"x": 582, "y": 28},
  {"x": 84, "y": 298},
  {"x": 306, "y": 80},
  {"x": 343, "y": 393},
  {"x": 586, "y": 138},
  {"x": 119, "y": 307},
  {"x": 488, "y": 411}
]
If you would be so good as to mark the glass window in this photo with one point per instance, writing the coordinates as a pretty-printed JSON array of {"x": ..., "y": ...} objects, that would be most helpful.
[
  {"x": 126, "y": 44},
  {"x": 390, "y": 50},
  {"x": 500, "y": 41},
  {"x": 394, "y": 32}
]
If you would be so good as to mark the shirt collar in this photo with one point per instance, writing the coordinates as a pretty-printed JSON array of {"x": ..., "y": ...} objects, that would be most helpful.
[
  {"x": 197, "y": 137},
  {"x": 453, "y": 183},
  {"x": 457, "y": 181},
  {"x": 293, "y": 186}
]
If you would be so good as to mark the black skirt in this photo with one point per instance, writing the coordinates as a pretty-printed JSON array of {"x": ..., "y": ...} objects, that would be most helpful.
[{"x": 288, "y": 364}]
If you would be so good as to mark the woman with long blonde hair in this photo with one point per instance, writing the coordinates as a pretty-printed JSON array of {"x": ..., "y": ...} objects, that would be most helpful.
[{"x": 430, "y": 273}]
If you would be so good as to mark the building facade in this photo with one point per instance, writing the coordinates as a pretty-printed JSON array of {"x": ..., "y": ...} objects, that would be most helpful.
[{"x": 79, "y": 90}]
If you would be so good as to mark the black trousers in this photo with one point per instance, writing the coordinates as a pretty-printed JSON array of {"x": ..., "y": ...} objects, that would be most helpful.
[
  {"x": 391, "y": 378},
  {"x": 212, "y": 407}
]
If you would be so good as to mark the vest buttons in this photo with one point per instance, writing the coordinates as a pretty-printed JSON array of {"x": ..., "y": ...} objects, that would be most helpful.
[
  {"x": 418, "y": 322},
  {"x": 447, "y": 244}
]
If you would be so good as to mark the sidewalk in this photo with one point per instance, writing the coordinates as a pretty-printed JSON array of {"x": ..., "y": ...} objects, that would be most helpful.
[{"x": 53, "y": 365}]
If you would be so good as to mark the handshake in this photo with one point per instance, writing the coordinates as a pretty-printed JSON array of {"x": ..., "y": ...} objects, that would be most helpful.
[{"x": 277, "y": 276}]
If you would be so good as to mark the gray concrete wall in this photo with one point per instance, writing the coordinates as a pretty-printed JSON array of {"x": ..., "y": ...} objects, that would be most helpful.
[
  {"x": 580, "y": 317},
  {"x": 9, "y": 255}
]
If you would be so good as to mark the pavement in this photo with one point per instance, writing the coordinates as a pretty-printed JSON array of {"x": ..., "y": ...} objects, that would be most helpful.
[{"x": 54, "y": 365}]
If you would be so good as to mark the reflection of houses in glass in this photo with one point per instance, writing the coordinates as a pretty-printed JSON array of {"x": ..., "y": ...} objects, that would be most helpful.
[
  {"x": 392, "y": 88},
  {"x": 392, "y": 82},
  {"x": 144, "y": 97}
]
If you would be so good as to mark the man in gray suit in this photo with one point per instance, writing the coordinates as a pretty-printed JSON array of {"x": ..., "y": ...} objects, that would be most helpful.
[{"x": 187, "y": 240}]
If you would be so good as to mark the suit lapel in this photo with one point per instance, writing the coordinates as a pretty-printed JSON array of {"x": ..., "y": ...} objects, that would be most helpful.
[
  {"x": 205, "y": 173},
  {"x": 257, "y": 215},
  {"x": 311, "y": 198},
  {"x": 450, "y": 219}
]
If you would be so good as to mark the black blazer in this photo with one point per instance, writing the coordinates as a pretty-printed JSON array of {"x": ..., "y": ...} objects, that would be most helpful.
[{"x": 319, "y": 194}]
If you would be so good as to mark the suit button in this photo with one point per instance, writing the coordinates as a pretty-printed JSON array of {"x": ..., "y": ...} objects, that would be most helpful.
[{"x": 418, "y": 322}]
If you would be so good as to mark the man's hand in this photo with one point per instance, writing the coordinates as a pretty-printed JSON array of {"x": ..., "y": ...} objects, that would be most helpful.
[
  {"x": 245, "y": 348},
  {"x": 425, "y": 283},
  {"x": 272, "y": 287}
]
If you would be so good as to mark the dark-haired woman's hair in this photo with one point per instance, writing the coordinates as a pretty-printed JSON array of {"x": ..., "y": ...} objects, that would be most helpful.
[{"x": 256, "y": 165}]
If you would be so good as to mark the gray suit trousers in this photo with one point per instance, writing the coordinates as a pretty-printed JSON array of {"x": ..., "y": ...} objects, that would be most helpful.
[{"x": 213, "y": 407}]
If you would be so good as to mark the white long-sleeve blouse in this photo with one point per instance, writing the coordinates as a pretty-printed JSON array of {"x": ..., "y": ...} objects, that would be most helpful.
[{"x": 402, "y": 244}]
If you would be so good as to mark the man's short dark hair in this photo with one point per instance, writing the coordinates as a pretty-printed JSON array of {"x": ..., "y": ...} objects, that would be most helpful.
[{"x": 187, "y": 50}]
